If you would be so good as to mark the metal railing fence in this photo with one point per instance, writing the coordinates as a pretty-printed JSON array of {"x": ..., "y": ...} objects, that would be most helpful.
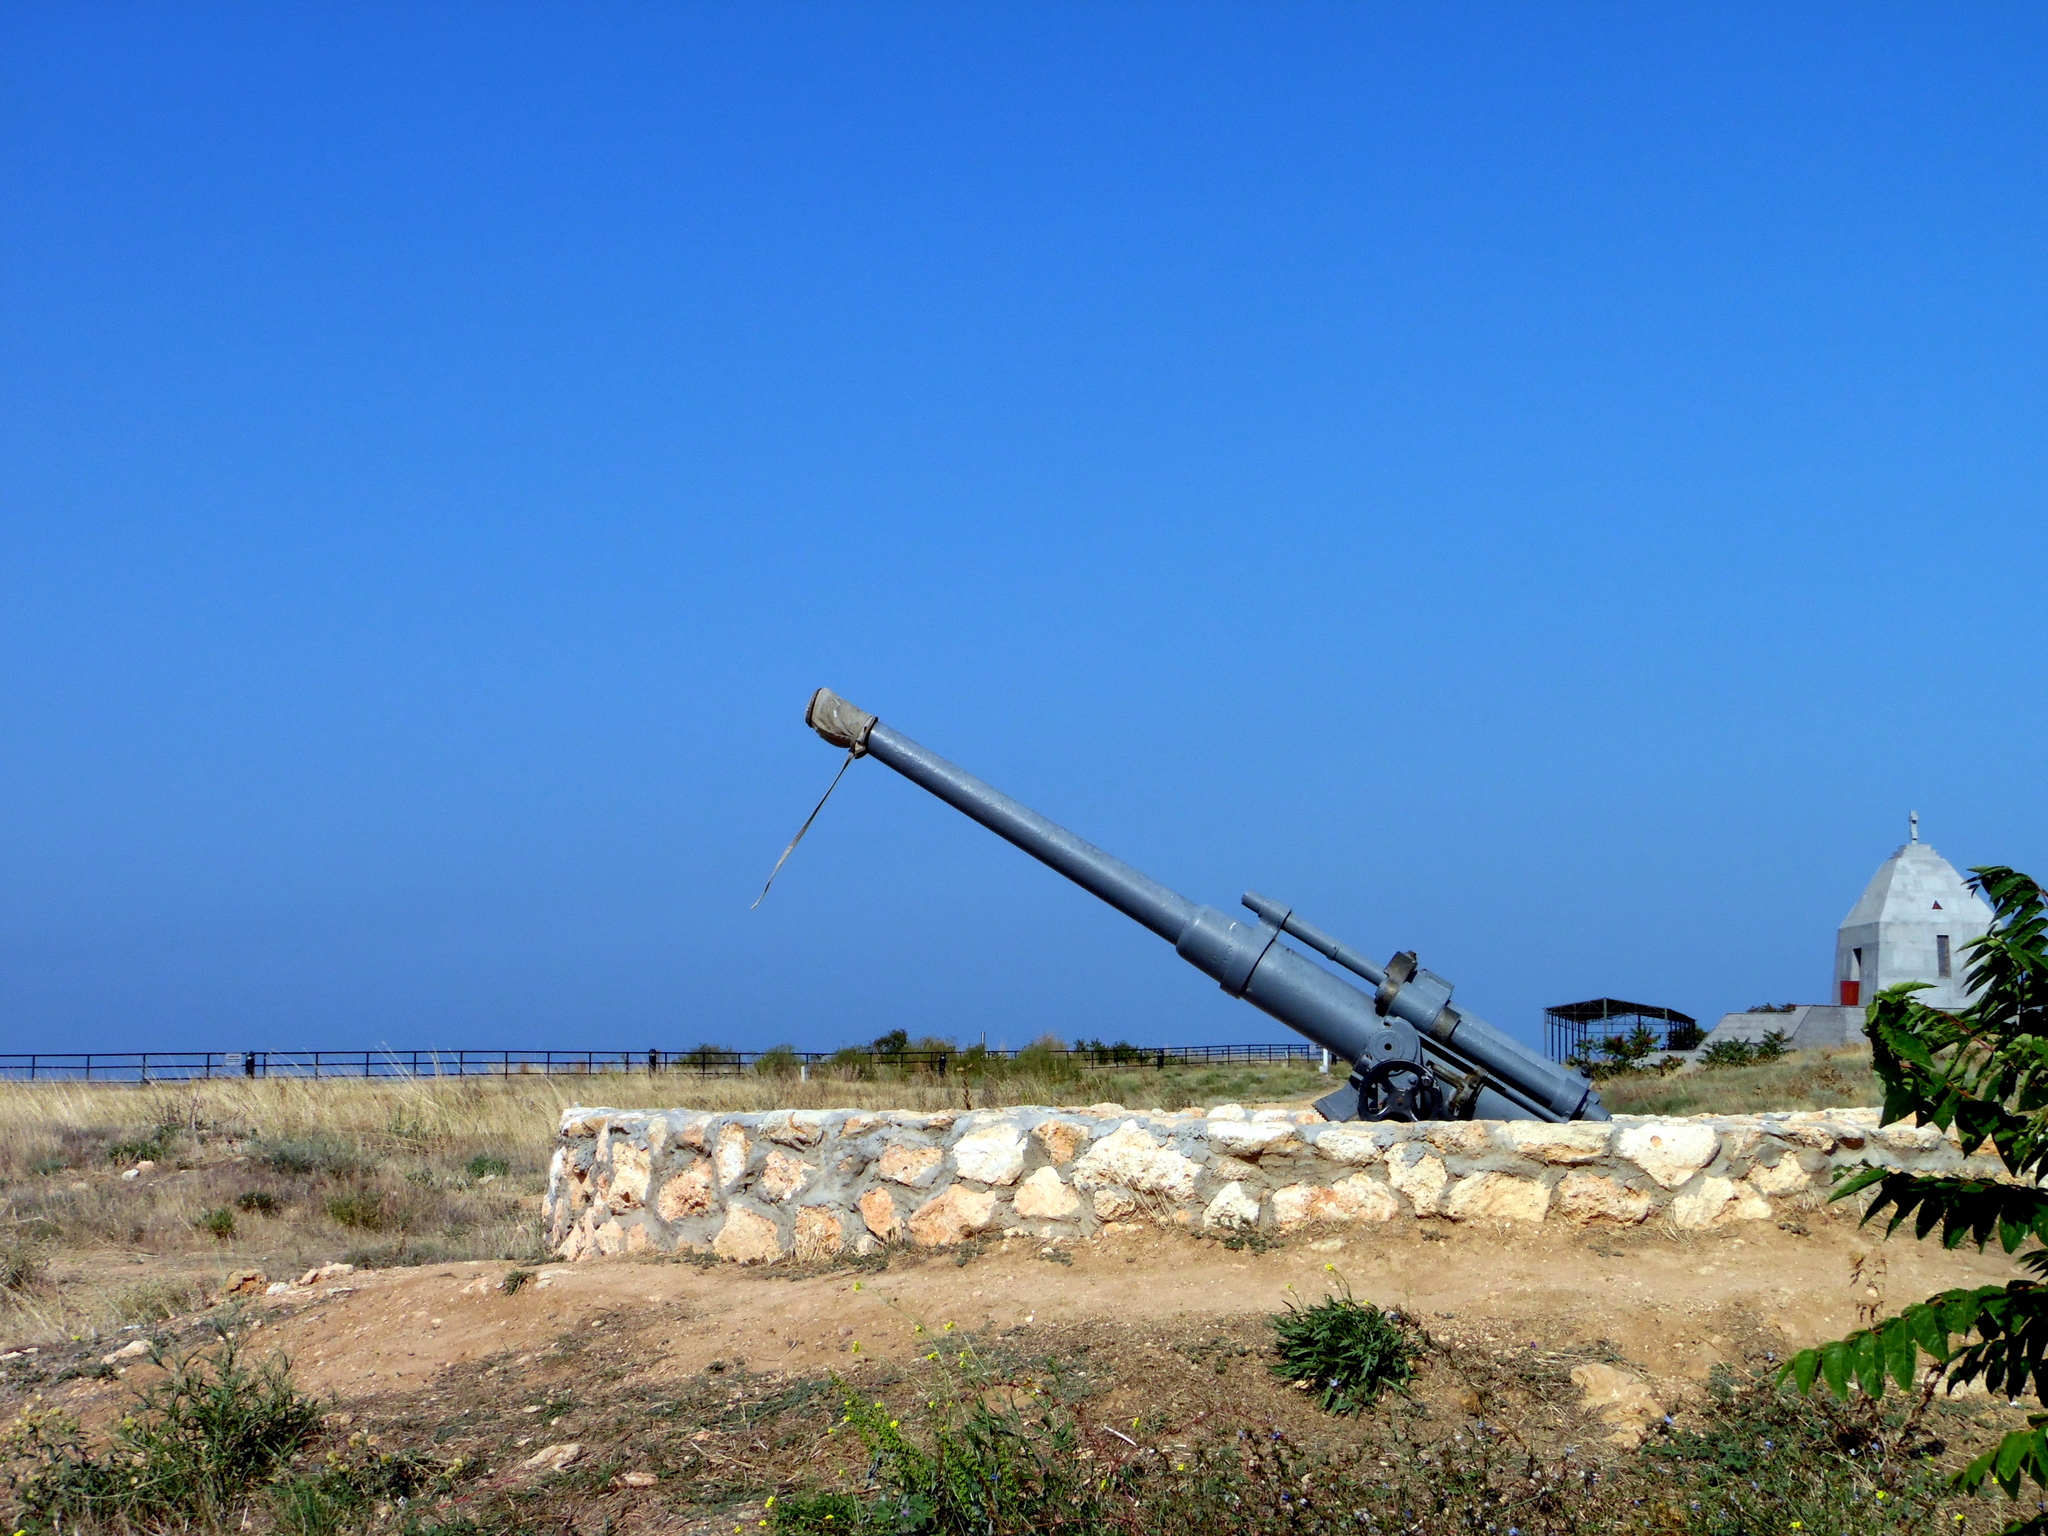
[{"x": 187, "y": 1066}]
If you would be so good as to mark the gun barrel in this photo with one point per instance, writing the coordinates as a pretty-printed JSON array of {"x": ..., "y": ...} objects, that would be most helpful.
[{"x": 1401, "y": 1021}]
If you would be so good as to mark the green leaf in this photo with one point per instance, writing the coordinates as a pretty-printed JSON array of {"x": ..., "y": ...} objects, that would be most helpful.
[{"x": 1834, "y": 1366}]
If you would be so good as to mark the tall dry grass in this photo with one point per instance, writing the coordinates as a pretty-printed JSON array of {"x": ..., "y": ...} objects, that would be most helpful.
[{"x": 1799, "y": 1080}]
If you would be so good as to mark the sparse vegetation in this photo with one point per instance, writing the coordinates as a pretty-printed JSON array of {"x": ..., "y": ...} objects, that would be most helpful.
[
  {"x": 361, "y": 1209},
  {"x": 486, "y": 1165},
  {"x": 198, "y": 1445},
  {"x": 217, "y": 1222},
  {"x": 257, "y": 1202},
  {"x": 21, "y": 1266}
]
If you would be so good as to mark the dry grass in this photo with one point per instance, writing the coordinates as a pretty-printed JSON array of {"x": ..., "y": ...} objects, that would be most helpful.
[{"x": 1800, "y": 1080}]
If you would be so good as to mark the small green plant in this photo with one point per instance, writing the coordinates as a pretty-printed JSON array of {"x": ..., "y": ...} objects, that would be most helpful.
[
  {"x": 219, "y": 1222},
  {"x": 1348, "y": 1351},
  {"x": 514, "y": 1280},
  {"x": 257, "y": 1202},
  {"x": 777, "y": 1061},
  {"x": 361, "y": 1209},
  {"x": 197, "y": 1445},
  {"x": 487, "y": 1165}
]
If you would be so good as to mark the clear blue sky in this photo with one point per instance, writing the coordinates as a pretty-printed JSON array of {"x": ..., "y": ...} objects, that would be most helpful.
[{"x": 1551, "y": 486}]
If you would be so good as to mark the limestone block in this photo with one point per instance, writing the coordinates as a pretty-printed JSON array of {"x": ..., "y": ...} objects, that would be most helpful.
[
  {"x": 1356, "y": 1198},
  {"x": 1577, "y": 1141},
  {"x": 818, "y": 1234},
  {"x": 631, "y": 1168},
  {"x": 994, "y": 1155},
  {"x": 1585, "y": 1197},
  {"x": 637, "y": 1240},
  {"x": 1044, "y": 1196},
  {"x": 952, "y": 1216},
  {"x": 1061, "y": 1139},
  {"x": 1113, "y": 1204},
  {"x": 1270, "y": 1116},
  {"x": 1457, "y": 1138},
  {"x": 687, "y": 1194},
  {"x": 914, "y": 1166},
  {"x": 1132, "y": 1157},
  {"x": 731, "y": 1159},
  {"x": 1249, "y": 1139},
  {"x": 800, "y": 1128},
  {"x": 1232, "y": 1207},
  {"x": 783, "y": 1176},
  {"x": 1669, "y": 1151},
  {"x": 1497, "y": 1197},
  {"x": 1349, "y": 1146},
  {"x": 858, "y": 1125},
  {"x": 1703, "y": 1206},
  {"x": 1419, "y": 1174},
  {"x": 747, "y": 1238},
  {"x": 1784, "y": 1177},
  {"x": 1228, "y": 1112},
  {"x": 691, "y": 1134},
  {"x": 583, "y": 1122},
  {"x": 878, "y": 1209},
  {"x": 610, "y": 1238},
  {"x": 1747, "y": 1206}
]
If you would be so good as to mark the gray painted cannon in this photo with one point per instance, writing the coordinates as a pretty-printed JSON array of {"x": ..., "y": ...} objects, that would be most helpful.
[{"x": 1414, "y": 1057}]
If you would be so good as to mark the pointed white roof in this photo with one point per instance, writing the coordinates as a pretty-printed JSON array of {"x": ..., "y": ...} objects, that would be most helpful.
[{"x": 1917, "y": 885}]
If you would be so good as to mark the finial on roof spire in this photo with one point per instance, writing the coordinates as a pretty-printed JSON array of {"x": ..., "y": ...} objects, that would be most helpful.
[{"x": 1913, "y": 827}]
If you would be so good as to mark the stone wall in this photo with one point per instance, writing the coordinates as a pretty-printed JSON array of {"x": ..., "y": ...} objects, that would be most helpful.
[{"x": 809, "y": 1184}]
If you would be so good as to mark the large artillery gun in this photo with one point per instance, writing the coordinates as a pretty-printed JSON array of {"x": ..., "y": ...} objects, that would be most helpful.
[{"x": 1413, "y": 1056}]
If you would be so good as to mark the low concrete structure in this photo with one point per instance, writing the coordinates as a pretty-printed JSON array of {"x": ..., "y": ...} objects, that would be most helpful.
[
  {"x": 1810, "y": 1027},
  {"x": 811, "y": 1184}
]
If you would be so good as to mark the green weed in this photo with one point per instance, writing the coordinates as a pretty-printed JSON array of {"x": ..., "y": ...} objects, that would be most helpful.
[
  {"x": 258, "y": 1202},
  {"x": 486, "y": 1165},
  {"x": 1348, "y": 1351},
  {"x": 219, "y": 1222}
]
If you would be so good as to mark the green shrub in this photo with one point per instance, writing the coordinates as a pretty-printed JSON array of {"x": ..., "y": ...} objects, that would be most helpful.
[
  {"x": 198, "y": 1443},
  {"x": 1977, "y": 1074},
  {"x": 219, "y": 1222},
  {"x": 1348, "y": 1351},
  {"x": 487, "y": 1165},
  {"x": 777, "y": 1061},
  {"x": 257, "y": 1202},
  {"x": 361, "y": 1209},
  {"x": 514, "y": 1281}
]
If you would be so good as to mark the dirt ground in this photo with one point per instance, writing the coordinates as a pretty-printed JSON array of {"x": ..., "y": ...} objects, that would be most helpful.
[{"x": 716, "y": 1384}]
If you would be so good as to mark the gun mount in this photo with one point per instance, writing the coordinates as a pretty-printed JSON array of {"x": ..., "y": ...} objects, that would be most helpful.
[{"x": 1413, "y": 1056}]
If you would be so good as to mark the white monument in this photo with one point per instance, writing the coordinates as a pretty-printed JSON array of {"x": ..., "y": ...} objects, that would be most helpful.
[{"x": 1910, "y": 924}]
